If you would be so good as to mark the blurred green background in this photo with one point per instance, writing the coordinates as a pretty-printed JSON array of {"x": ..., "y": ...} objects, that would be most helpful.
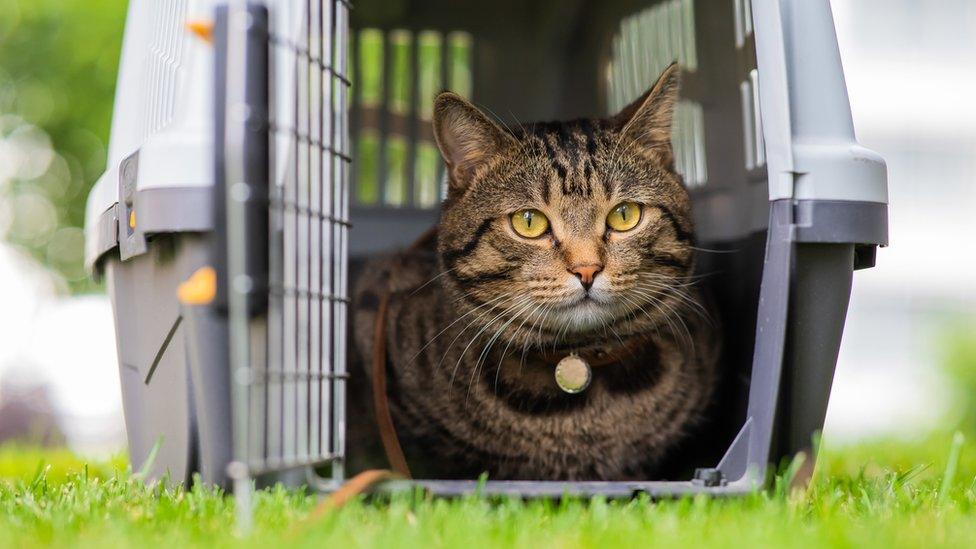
[{"x": 58, "y": 62}]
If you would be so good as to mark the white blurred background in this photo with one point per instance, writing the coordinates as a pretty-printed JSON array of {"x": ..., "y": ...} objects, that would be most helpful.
[{"x": 911, "y": 75}]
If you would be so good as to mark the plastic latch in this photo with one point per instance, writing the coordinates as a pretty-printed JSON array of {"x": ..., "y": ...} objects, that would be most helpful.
[
  {"x": 132, "y": 241},
  {"x": 200, "y": 288},
  {"x": 202, "y": 29},
  {"x": 708, "y": 477}
]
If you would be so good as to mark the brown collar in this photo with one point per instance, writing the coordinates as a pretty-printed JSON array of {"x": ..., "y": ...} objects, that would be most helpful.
[{"x": 598, "y": 355}]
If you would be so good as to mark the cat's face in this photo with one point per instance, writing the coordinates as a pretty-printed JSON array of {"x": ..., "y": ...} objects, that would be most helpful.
[{"x": 565, "y": 228}]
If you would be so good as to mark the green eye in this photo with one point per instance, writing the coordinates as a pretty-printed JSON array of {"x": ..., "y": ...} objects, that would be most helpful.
[
  {"x": 530, "y": 223},
  {"x": 624, "y": 216}
]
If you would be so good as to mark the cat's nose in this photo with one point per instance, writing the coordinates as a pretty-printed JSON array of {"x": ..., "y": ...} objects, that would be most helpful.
[{"x": 586, "y": 273}]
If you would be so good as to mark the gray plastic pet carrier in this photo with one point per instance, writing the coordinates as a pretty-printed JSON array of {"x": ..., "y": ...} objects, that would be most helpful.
[{"x": 263, "y": 163}]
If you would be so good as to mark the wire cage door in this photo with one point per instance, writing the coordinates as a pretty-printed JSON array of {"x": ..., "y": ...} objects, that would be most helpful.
[{"x": 282, "y": 218}]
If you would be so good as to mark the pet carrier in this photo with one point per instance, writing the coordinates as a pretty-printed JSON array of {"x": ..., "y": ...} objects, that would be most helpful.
[{"x": 298, "y": 142}]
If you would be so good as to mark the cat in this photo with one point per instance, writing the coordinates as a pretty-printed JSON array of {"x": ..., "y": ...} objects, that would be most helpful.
[{"x": 554, "y": 238}]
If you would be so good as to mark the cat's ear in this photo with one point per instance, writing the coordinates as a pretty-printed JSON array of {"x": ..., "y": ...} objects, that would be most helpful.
[
  {"x": 648, "y": 119},
  {"x": 466, "y": 137}
]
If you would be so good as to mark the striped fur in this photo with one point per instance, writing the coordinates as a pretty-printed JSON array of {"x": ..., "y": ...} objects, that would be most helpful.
[{"x": 472, "y": 316}]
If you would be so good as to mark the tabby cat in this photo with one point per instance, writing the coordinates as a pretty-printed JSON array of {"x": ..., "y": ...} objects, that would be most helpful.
[{"x": 555, "y": 238}]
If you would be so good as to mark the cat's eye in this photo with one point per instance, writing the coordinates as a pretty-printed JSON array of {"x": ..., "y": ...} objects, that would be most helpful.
[
  {"x": 530, "y": 223},
  {"x": 624, "y": 216}
]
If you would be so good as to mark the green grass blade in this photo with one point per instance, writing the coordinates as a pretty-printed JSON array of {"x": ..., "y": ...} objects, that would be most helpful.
[
  {"x": 951, "y": 466},
  {"x": 150, "y": 460}
]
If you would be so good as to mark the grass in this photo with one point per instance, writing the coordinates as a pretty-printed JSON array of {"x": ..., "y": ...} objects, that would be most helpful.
[{"x": 881, "y": 494}]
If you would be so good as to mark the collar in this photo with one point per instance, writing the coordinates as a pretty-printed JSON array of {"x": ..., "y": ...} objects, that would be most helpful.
[{"x": 598, "y": 355}]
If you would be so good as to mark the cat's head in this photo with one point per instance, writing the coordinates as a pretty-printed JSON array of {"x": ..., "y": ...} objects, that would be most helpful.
[{"x": 565, "y": 227}]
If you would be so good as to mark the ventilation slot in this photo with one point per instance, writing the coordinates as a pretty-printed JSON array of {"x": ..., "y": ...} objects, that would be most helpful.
[
  {"x": 646, "y": 43},
  {"x": 754, "y": 143},
  {"x": 398, "y": 74}
]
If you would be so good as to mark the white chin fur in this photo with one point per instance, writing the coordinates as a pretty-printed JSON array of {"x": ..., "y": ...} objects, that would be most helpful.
[
  {"x": 583, "y": 316},
  {"x": 584, "y": 312}
]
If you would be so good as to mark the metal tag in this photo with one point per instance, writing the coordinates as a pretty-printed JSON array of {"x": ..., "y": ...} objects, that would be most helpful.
[{"x": 573, "y": 374}]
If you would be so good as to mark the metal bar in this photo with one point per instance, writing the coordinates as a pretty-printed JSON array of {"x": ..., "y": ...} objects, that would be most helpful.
[
  {"x": 290, "y": 344},
  {"x": 319, "y": 329},
  {"x": 274, "y": 219},
  {"x": 302, "y": 394},
  {"x": 325, "y": 394},
  {"x": 328, "y": 419},
  {"x": 340, "y": 28},
  {"x": 240, "y": 118},
  {"x": 314, "y": 328}
]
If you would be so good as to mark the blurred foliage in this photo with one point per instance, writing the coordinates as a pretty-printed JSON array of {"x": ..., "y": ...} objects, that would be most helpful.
[
  {"x": 58, "y": 63},
  {"x": 960, "y": 367},
  {"x": 17, "y": 461}
]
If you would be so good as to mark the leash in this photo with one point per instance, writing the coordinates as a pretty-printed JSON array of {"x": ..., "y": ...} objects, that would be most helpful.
[{"x": 381, "y": 402}]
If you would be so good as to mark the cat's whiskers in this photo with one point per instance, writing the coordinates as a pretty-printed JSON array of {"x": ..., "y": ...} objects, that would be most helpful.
[
  {"x": 485, "y": 304},
  {"x": 686, "y": 278},
  {"x": 457, "y": 365},
  {"x": 510, "y": 340},
  {"x": 491, "y": 342},
  {"x": 655, "y": 325},
  {"x": 712, "y": 251},
  {"x": 666, "y": 312},
  {"x": 676, "y": 291},
  {"x": 472, "y": 322},
  {"x": 634, "y": 308},
  {"x": 425, "y": 284},
  {"x": 665, "y": 290},
  {"x": 560, "y": 333},
  {"x": 487, "y": 348},
  {"x": 541, "y": 324},
  {"x": 515, "y": 335},
  {"x": 614, "y": 332}
]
